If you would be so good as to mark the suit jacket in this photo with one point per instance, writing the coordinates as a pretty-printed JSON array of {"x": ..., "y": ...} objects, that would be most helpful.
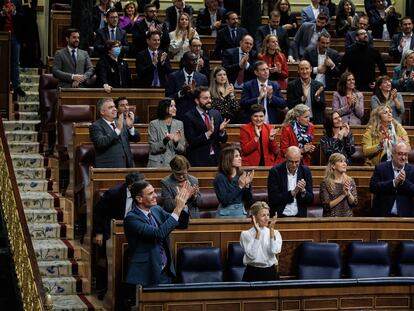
[
  {"x": 282, "y": 37},
  {"x": 406, "y": 85},
  {"x": 198, "y": 150},
  {"x": 350, "y": 40},
  {"x": 249, "y": 96},
  {"x": 102, "y": 35},
  {"x": 303, "y": 38},
  {"x": 139, "y": 40},
  {"x": 231, "y": 60},
  {"x": 114, "y": 73},
  {"x": 294, "y": 96},
  {"x": 145, "y": 69},
  {"x": 171, "y": 16},
  {"x": 203, "y": 23},
  {"x": 161, "y": 154},
  {"x": 205, "y": 70},
  {"x": 184, "y": 101},
  {"x": 382, "y": 187},
  {"x": 251, "y": 149},
  {"x": 224, "y": 40},
  {"x": 311, "y": 56},
  {"x": 395, "y": 43},
  {"x": 279, "y": 195},
  {"x": 308, "y": 16},
  {"x": 112, "y": 150},
  {"x": 377, "y": 23},
  {"x": 144, "y": 260},
  {"x": 110, "y": 206},
  {"x": 64, "y": 68}
]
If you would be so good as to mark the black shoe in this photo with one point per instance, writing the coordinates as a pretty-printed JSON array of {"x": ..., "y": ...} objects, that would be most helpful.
[{"x": 20, "y": 92}]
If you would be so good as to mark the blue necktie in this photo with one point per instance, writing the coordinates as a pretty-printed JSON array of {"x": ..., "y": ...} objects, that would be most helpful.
[
  {"x": 156, "y": 80},
  {"x": 188, "y": 79},
  {"x": 74, "y": 58},
  {"x": 163, "y": 254},
  {"x": 112, "y": 34},
  {"x": 234, "y": 34}
]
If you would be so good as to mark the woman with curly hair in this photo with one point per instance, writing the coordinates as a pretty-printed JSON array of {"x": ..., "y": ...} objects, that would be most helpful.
[
  {"x": 287, "y": 18},
  {"x": 181, "y": 36},
  {"x": 346, "y": 18},
  {"x": 130, "y": 17}
]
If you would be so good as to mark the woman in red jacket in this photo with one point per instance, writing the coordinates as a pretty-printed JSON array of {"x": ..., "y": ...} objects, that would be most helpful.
[
  {"x": 297, "y": 131},
  {"x": 258, "y": 140}
]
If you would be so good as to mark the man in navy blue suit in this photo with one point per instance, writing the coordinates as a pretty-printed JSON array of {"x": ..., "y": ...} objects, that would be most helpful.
[
  {"x": 182, "y": 83},
  {"x": 204, "y": 130},
  {"x": 262, "y": 91},
  {"x": 392, "y": 183}
]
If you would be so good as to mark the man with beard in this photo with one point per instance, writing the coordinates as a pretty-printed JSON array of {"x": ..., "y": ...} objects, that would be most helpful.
[{"x": 204, "y": 130}]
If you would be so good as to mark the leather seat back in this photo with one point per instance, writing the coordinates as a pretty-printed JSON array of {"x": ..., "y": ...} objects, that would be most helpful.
[
  {"x": 235, "y": 266},
  {"x": 368, "y": 260},
  {"x": 405, "y": 260}
]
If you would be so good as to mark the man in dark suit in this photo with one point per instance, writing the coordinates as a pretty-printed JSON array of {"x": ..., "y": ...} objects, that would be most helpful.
[
  {"x": 403, "y": 40},
  {"x": 289, "y": 186},
  {"x": 238, "y": 62},
  {"x": 204, "y": 130},
  {"x": 152, "y": 64},
  {"x": 150, "y": 22},
  {"x": 230, "y": 36},
  {"x": 182, "y": 83},
  {"x": 381, "y": 15},
  {"x": 324, "y": 61},
  {"x": 172, "y": 12},
  {"x": 262, "y": 91},
  {"x": 147, "y": 229},
  {"x": 210, "y": 19},
  {"x": 350, "y": 36},
  {"x": 203, "y": 61},
  {"x": 274, "y": 29},
  {"x": 305, "y": 90},
  {"x": 111, "y": 135},
  {"x": 111, "y": 32},
  {"x": 392, "y": 183}
]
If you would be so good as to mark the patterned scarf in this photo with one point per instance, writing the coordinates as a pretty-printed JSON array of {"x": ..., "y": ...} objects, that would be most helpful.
[
  {"x": 301, "y": 133},
  {"x": 390, "y": 138}
]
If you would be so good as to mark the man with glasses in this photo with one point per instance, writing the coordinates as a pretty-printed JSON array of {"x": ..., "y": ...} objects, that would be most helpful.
[
  {"x": 350, "y": 36},
  {"x": 289, "y": 186},
  {"x": 110, "y": 32},
  {"x": 203, "y": 61},
  {"x": 392, "y": 184}
]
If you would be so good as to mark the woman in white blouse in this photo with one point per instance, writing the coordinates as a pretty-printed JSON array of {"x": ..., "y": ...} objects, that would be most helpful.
[
  {"x": 261, "y": 243},
  {"x": 181, "y": 36}
]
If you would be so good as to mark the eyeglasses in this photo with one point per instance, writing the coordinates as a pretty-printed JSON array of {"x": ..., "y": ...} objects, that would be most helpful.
[{"x": 113, "y": 17}]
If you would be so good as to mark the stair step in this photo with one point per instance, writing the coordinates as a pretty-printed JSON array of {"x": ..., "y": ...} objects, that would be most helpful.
[
  {"x": 56, "y": 268},
  {"x": 21, "y": 161},
  {"x": 50, "y": 231},
  {"x": 19, "y": 125},
  {"x": 26, "y": 116},
  {"x": 21, "y": 136},
  {"x": 29, "y": 71},
  {"x": 37, "y": 200},
  {"x": 24, "y": 147},
  {"x": 53, "y": 249},
  {"x": 34, "y": 185},
  {"x": 71, "y": 302},
  {"x": 31, "y": 96},
  {"x": 30, "y": 87},
  {"x": 49, "y": 215},
  {"x": 27, "y": 106},
  {"x": 29, "y": 78},
  {"x": 30, "y": 173},
  {"x": 65, "y": 285}
]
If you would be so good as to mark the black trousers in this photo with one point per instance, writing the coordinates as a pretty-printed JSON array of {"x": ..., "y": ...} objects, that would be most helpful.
[{"x": 253, "y": 274}]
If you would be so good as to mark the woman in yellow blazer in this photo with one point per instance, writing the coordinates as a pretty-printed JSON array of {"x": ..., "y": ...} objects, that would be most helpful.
[{"x": 382, "y": 132}]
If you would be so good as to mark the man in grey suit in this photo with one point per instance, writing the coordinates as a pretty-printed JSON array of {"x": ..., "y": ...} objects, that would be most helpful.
[
  {"x": 72, "y": 66},
  {"x": 111, "y": 135}
]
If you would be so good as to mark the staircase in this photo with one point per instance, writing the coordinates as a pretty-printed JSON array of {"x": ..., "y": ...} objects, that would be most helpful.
[{"x": 62, "y": 261}]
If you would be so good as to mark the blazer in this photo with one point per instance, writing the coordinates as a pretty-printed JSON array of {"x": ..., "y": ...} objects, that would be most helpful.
[
  {"x": 249, "y": 95},
  {"x": 288, "y": 138},
  {"x": 171, "y": 16},
  {"x": 279, "y": 195},
  {"x": 203, "y": 23},
  {"x": 145, "y": 69},
  {"x": 144, "y": 260},
  {"x": 303, "y": 38},
  {"x": 224, "y": 40},
  {"x": 114, "y": 73},
  {"x": 282, "y": 37},
  {"x": 377, "y": 23},
  {"x": 350, "y": 40},
  {"x": 169, "y": 191},
  {"x": 198, "y": 150},
  {"x": 231, "y": 60},
  {"x": 174, "y": 85},
  {"x": 294, "y": 97},
  {"x": 348, "y": 115},
  {"x": 102, "y": 35},
  {"x": 139, "y": 40},
  {"x": 402, "y": 85},
  {"x": 311, "y": 55},
  {"x": 308, "y": 16},
  {"x": 63, "y": 67},
  {"x": 251, "y": 149},
  {"x": 112, "y": 150},
  {"x": 385, "y": 194},
  {"x": 395, "y": 43},
  {"x": 110, "y": 206},
  {"x": 161, "y": 153}
]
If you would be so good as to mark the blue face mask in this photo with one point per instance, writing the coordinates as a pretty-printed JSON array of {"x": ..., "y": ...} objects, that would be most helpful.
[{"x": 116, "y": 51}]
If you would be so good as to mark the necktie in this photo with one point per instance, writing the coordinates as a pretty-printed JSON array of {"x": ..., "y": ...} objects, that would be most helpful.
[
  {"x": 207, "y": 123},
  {"x": 113, "y": 125},
  {"x": 188, "y": 79},
  {"x": 234, "y": 34},
  {"x": 156, "y": 80},
  {"x": 112, "y": 34},
  {"x": 74, "y": 58},
  {"x": 163, "y": 254},
  {"x": 240, "y": 76}
]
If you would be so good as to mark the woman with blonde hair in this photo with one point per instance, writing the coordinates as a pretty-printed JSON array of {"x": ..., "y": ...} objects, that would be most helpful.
[
  {"x": 383, "y": 131},
  {"x": 338, "y": 193},
  {"x": 261, "y": 243},
  {"x": 403, "y": 77},
  {"x": 297, "y": 130},
  {"x": 287, "y": 19},
  {"x": 181, "y": 36},
  {"x": 130, "y": 16},
  {"x": 275, "y": 59}
]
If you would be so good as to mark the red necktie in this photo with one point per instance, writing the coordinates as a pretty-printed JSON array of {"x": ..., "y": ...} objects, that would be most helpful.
[
  {"x": 207, "y": 123},
  {"x": 113, "y": 125}
]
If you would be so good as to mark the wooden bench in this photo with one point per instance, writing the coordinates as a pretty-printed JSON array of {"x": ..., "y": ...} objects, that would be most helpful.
[{"x": 219, "y": 233}]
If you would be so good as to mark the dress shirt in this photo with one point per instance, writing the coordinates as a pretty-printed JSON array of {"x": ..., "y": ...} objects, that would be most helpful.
[
  {"x": 260, "y": 253},
  {"x": 315, "y": 11},
  {"x": 308, "y": 101},
  {"x": 407, "y": 43},
  {"x": 128, "y": 203},
  {"x": 213, "y": 19},
  {"x": 117, "y": 130},
  {"x": 291, "y": 209},
  {"x": 264, "y": 100},
  {"x": 146, "y": 212},
  {"x": 110, "y": 33},
  {"x": 394, "y": 210},
  {"x": 272, "y": 31},
  {"x": 321, "y": 61}
]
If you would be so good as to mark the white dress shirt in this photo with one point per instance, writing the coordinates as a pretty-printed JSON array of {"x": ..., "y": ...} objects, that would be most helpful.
[
  {"x": 394, "y": 209},
  {"x": 128, "y": 203},
  {"x": 321, "y": 61},
  {"x": 291, "y": 209},
  {"x": 264, "y": 100}
]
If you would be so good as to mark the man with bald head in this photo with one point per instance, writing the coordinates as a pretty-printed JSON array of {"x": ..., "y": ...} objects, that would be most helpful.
[
  {"x": 392, "y": 183},
  {"x": 289, "y": 186},
  {"x": 305, "y": 90}
]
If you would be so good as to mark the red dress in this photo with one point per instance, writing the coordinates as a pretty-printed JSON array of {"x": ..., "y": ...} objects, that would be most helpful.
[{"x": 274, "y": 60}]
